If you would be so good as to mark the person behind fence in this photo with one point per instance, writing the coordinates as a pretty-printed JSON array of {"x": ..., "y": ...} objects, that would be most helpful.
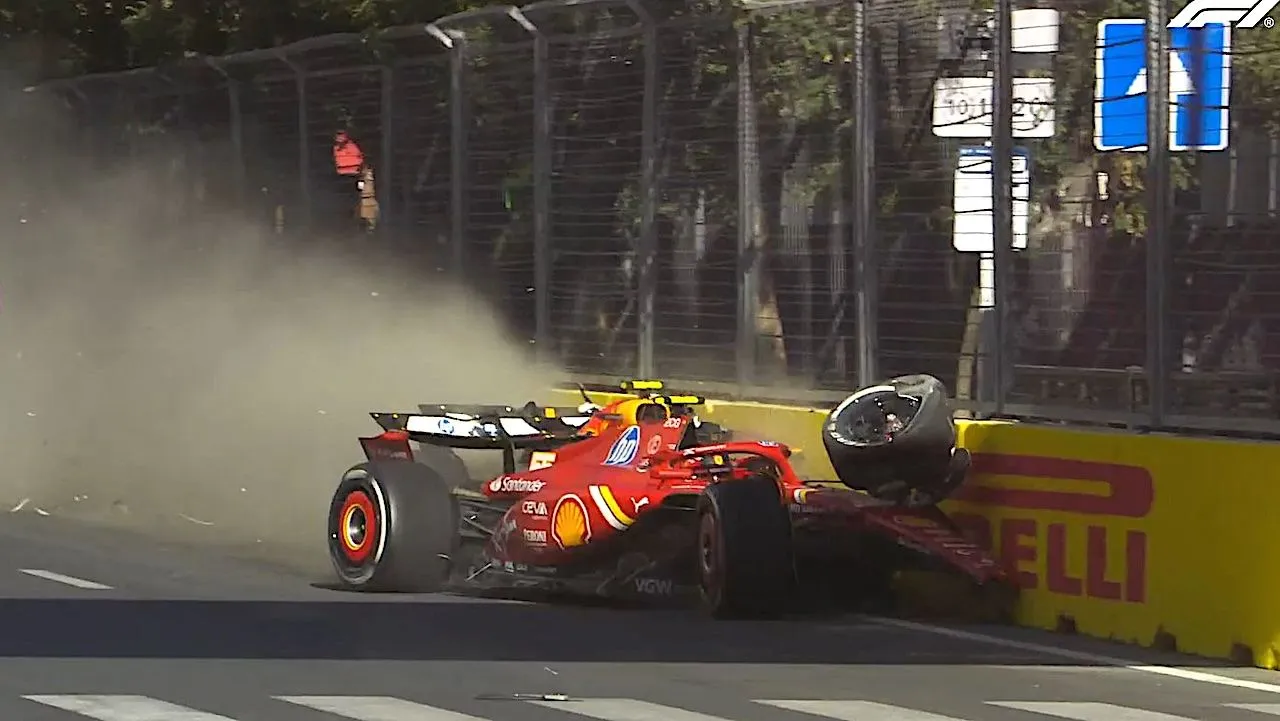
[{"x": 351, "y": 177}]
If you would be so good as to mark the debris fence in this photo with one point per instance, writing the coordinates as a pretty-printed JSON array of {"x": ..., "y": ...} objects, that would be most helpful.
[{"x": 762, "y": 198}]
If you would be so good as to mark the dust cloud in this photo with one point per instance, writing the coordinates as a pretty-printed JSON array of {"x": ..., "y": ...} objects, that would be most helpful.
[{"x": 205, "y": 379}]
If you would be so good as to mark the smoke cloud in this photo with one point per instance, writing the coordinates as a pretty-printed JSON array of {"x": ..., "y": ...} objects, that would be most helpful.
[{"x": 199, "y": 377}]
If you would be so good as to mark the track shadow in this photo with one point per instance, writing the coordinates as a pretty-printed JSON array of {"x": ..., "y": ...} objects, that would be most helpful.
[{"x": 448, "y": 628}]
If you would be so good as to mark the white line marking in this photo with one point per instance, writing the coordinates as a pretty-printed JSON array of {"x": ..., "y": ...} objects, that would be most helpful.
[
  {"x": 625, "y": 709},
  {"x": 1091, "y": 659},
  {"x": 125, "y": 708},
  {"x": 1267, "y": 708},
  {"x": 66, "y": 580},
  {"x": 858, "y": 711},
  {"x": 377, "y": 708},
  {"x": 1088, "y": 711}
]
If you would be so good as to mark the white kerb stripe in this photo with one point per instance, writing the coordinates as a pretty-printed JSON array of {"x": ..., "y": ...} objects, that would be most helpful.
[
  {"x": 1267, "y": 708},
  {"x": 625, "y": 709},
  {"x": 377, "y": 708},
  {"x": 1082, "y": 711},
  {"x": 67, "y": 580},
  {"x": 125, "y": 708},
  {"x": 858, "y": 711}
]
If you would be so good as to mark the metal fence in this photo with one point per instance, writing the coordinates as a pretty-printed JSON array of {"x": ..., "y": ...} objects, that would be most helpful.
[{"x": 755, "y": 198}]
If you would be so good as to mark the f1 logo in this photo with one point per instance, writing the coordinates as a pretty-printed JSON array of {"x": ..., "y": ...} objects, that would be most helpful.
[{"x": 1243, "y": 14}]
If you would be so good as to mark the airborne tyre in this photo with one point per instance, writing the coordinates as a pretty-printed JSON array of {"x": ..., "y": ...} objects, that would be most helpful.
[
  {"x": 393, "y": 527},
  {"x": 745, "y": 565}
]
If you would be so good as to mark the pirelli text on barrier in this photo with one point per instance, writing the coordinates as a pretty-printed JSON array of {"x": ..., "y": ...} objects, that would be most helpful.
[{"x": 1037, "y": 550}]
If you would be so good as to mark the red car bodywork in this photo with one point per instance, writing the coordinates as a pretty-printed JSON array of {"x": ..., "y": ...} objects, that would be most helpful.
[{"x": 600, "y": 484}]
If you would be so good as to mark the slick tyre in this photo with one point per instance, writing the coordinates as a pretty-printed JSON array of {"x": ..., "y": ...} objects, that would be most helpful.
[
  {"x": 393, "y": 527},
  {"x": 446, "y": 463},
  {"x": 745, "y": 567}
]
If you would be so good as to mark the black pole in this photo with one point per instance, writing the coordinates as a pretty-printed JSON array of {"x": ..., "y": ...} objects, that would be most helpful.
[
  {"x": 865, "y": 276},
  {"x": 1002, "y": 195},
  {"x": 1158, "y": 201}
]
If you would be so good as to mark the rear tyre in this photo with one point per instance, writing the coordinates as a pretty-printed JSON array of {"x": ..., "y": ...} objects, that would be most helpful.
[
  {"x": 744, "y": 549},
  {"x": 446, "y": 463},
  {"x": 393, "y": 526}
]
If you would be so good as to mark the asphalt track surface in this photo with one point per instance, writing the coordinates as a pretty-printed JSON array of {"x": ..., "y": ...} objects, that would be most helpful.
[{"x": 107, "y": 625}]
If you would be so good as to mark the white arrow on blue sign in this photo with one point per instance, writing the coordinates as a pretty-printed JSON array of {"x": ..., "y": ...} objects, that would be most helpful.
[{"x": 1199, "y": 87}]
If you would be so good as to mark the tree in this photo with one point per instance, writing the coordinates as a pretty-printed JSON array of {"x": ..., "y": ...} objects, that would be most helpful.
[
  {"x": 91, "y": 37},
  {"x": 800, "y": 60},
  {"x": 1255, "y": 102}
]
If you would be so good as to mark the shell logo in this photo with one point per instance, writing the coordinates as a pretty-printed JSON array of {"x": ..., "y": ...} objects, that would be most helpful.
[{"x": 569, "y": 525}]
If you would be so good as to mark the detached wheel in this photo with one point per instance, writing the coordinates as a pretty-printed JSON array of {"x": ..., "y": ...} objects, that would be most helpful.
[
  {"x": 744, "y": 549},
  {"x": 393, "y": 526}
]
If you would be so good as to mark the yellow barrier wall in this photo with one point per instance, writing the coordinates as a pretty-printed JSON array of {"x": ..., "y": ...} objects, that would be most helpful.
[{"x": 1143, "y": 538}]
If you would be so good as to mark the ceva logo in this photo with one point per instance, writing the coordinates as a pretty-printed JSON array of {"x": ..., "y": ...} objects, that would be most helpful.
[{"x": 623, "y": 451}]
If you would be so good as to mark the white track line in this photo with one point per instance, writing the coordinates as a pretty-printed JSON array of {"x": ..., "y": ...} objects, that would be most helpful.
[
  {"x": 66, "y": 580},
  {"x": 1091, "y": 659},
  {"x": 625, "y": 709},
  {"x": 857, "y": 711},
  {"x": 377, "y": 708},
  {"x": 1077, "y": 711},
  {"x": 125, "y": 708}
]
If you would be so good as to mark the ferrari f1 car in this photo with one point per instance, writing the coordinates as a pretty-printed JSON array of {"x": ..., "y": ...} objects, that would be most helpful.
[{"x": 640, "y": 498}]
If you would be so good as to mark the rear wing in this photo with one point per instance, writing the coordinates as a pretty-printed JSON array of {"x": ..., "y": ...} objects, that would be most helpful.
[{"x": 475, "y": 427}]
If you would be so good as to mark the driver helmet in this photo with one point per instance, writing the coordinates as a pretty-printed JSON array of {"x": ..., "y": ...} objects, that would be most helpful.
[{"x": 623, "y": 412}]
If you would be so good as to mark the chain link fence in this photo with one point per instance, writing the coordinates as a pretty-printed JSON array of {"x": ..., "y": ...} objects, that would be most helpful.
[{"x": 761, "y": 199}]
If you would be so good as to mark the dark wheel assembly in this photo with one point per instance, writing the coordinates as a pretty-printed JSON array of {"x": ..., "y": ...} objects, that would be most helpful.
[
  {"x": 393, "y": 526},
  {"x": 744, "y": 559}
]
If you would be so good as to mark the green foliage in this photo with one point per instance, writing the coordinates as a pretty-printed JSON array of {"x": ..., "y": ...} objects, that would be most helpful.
[
  {"x": 801, "y": 65},
  {"x": 801, "y": 56},
  {"x": 101, "y": 37},
  {"x": 1255, "y": 102}
]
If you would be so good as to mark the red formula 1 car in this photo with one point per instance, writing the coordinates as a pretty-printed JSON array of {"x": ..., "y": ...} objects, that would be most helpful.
[{"x": 637, "y": 500}]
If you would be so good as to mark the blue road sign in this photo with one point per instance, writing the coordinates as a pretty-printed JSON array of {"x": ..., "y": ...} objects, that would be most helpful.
[{"x": 1199, "y": 87}]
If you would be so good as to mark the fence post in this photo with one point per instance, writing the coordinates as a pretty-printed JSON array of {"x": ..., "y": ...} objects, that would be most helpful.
[
  {"x": 304, "y": 146},
  {"x": 648, "y": 245},
  {"x": 1158, "y": 200},
  {"x": 236, "y": 122},
  {"x": 542, "y": 252},
  {"x": 748, "y": 213},
  {"x": 455, "y": 42},
  {"x": 1002, "y": 196},
  {"x": 866, "y": 276},
  {"x": 384, "y": 182}
]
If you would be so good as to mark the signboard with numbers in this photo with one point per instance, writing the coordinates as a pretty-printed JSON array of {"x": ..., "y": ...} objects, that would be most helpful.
[{"x": 962, "y": 107}]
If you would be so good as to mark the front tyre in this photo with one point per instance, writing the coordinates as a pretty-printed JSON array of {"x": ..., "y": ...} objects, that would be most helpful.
[
  {"x": 393, "y": 526},
  {"x": 744, "y": 549}
]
